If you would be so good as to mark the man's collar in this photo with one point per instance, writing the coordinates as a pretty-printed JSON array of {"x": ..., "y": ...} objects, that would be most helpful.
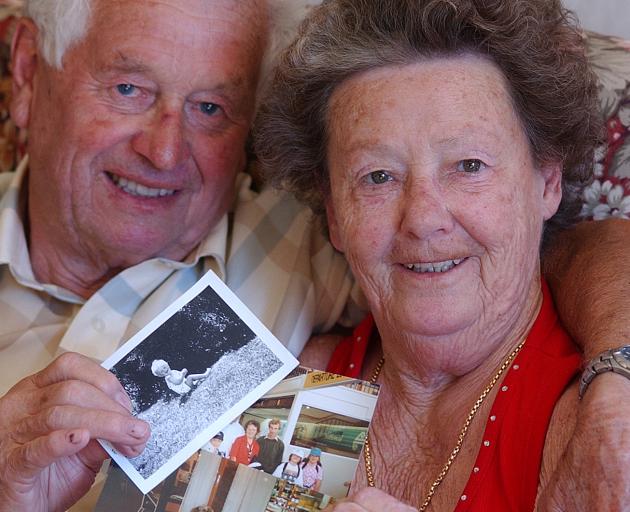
[{"x": 14, "y": 246}]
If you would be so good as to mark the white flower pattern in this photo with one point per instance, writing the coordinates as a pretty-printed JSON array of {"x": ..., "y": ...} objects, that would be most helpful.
[{"x": 603, "y": 200}]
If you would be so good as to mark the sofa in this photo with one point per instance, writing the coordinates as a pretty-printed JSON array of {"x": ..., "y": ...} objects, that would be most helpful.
[{"x": 607, "y": 196}]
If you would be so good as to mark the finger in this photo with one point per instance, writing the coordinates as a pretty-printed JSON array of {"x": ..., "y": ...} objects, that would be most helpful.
[
  {"x": 73, "y": 366},
  {"x": 375, "y": 500},
  {"x": 100, "y": 424},
  {"x": 344, "y": 506},
  {"x": 26, "y": 461},
  {"x": 74, "y": 392}
]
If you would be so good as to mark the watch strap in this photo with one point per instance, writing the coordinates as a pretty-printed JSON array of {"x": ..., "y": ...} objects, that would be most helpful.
[{"x": 615, "y": 360}]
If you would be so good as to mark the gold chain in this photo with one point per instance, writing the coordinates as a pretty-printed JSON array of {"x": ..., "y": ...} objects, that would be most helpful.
[{"x": 367, "y": 451}]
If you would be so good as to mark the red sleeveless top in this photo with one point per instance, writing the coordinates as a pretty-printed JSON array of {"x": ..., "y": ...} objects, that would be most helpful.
[{"x": 505, "y": 474}]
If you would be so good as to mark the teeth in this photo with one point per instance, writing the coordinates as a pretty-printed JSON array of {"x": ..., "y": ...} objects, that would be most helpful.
[
  {"x": 135, "y": 189},
  {"x": 438, "y": 266}
]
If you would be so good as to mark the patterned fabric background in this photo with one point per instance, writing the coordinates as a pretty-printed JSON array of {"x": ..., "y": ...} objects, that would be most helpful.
[{"x": 608, "y": 195}]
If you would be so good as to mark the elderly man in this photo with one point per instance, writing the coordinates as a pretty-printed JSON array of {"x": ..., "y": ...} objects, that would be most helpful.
[{"x": 138, "y": 114}]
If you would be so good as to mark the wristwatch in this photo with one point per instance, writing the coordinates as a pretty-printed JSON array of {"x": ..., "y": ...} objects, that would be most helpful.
[{"x": 615, "y": 360}]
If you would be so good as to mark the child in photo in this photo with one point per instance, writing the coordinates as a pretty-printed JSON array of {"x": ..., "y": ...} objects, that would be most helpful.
[
  {"x": 177, "y": 380},
  {"x": 312, "y": 470},
  {"x": 290, "y": 470},
  {"x": 214, "y": 445}
]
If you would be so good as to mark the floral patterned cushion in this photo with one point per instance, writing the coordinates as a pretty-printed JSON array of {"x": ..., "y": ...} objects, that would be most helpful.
[
  {"x": 608, "y": 195},
  {"x": 12, "y": 140}
]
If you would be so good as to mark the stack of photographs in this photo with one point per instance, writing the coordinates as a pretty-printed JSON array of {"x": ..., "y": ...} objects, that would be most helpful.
[{"x": 296, "y": 449}]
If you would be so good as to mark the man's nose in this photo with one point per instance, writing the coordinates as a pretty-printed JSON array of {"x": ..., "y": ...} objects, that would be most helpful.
[
  {"x": 424, "y": 210},
  {"x": 163, "y": 141}
]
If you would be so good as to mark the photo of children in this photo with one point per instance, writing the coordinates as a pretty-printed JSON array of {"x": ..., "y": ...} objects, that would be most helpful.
[
  {"x": 312, "y": 470},
  {"x": 321, "y": 421},
  {"x": 215, "y": 444},
  {"x": 290, "y": 470}
]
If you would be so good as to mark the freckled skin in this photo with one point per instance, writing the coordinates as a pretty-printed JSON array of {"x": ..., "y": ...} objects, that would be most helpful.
[
  {"x": 419, "y": 123},
  {"x": 182, "y": 57}
]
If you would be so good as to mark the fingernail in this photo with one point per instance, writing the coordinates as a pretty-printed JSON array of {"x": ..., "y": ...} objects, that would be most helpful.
[
  {"x": 74, "y": 438},
  {"x": 123, "y": 400},
  {"x": 138, "y": 429}
]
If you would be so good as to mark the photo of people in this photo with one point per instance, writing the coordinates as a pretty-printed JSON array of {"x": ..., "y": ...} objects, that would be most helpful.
[
  {"x": 271, "y": 447},
  {"x": 290, "y": 470},
  {"x": 245, "y": 448},
  {"x": 188, "y": 370},
  {"x": 214, "y": 446},
  {"x": 312, "y": 424}
]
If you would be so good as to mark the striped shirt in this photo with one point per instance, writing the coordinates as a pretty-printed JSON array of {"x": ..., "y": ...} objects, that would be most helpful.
[{"x": 265, "y": 249}]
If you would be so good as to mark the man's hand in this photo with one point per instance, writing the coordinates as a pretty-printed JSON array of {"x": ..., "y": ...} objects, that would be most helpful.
[
  {"x": 370, "y": 499},
  {"x": 588, "y": 270},
  {"x": 49, "y": 423},
  {"x": 593, "y": 473}
]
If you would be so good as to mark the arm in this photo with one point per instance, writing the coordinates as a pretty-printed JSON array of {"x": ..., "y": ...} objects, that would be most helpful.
[
  {"x": 589, "y": 273},
  {"x": 49, "y": 423},
  {"x": 588, "y": 270}
]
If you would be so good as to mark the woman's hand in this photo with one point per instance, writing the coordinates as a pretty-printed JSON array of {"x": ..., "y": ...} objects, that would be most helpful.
[
  {"x": 370, "y": 499},
  {"x": 49, "y": 423}
]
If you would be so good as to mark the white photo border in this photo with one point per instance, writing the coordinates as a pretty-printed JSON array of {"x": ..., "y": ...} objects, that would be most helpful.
[{"x": 210, "y": 279}]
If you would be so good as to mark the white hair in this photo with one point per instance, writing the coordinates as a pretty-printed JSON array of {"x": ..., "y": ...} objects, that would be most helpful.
[{"x": 61, "y": 23}]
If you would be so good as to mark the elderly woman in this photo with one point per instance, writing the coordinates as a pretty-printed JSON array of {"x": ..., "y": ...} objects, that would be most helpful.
[{"x": 440, "y": 139}]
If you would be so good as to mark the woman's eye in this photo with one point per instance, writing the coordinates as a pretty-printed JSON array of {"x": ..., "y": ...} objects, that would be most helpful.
[
  {"x": 126, "y": 89},
  {"x": 209, "y": 108},
  {"x": 471, "y": 165},
  {"x": 379, "y": 177}
]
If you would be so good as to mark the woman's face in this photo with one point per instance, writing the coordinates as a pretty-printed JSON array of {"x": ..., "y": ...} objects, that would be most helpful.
[
  {"x": 251, "y": 431},
  {"x": 435, "y": 198}
]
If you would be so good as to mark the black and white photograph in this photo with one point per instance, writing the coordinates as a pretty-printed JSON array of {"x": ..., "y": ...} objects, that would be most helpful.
[
  {"x": 190, "y": 371},
  {"x": 306, "y": 437}
]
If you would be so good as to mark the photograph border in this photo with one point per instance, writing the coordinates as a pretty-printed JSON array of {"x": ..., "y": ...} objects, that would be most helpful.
[{"x": 210, "y": 279}]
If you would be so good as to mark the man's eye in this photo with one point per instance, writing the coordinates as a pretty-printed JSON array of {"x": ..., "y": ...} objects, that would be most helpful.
[
  {"x": 379, "y": 177},
  {"x": 126, "y": 89},
  {"x": 471, "y": 165},
  {"x": 209, "y": 108}
]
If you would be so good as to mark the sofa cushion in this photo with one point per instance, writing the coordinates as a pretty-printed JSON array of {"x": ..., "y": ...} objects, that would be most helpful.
[{"x": 609, "y": 194}]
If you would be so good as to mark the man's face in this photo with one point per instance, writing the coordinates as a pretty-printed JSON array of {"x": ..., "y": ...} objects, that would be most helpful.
[
  {"x": 136, "y": 142},
  {"x": 273, "y": 430}
]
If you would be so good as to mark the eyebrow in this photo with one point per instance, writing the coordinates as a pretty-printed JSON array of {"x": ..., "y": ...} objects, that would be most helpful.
[{"x": 126, "y": 65}]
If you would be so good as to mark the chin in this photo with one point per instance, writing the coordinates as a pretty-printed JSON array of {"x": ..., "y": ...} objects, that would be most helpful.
[{"x": 434, "y": 321}]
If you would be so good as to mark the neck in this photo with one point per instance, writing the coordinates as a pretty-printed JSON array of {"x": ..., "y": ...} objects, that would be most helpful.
[
  {"x": 74, "y": 274},
  {"x": 428, "y": 365},
  {"x": 429, "y": 406}
]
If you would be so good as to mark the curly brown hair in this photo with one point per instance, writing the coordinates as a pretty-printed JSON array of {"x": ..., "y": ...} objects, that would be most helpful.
[{"x": 535, "y": 43}]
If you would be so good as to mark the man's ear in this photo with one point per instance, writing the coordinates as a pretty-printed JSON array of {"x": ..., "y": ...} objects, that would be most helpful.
[
  {"x": 333, "y": 226},
  {"x": 24, "y": 61},
  {"x": 552, "y": 192}
]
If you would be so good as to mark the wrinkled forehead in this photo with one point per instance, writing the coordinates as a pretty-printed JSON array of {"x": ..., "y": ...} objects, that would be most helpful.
[{"x": 243, "y": 19}]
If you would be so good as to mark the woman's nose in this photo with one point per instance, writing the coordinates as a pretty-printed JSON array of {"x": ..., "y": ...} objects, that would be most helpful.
[{"x": 424, "y": 210}]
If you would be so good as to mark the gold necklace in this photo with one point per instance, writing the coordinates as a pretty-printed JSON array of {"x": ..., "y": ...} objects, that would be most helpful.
[{"x": 367, "y": 451}]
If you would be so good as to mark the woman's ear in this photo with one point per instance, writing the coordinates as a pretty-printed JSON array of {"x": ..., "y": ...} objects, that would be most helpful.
[
  {"x": 333, "y": 226},
  {"x": 24, "y": 61},
  {"x": 552, "y": 191}
]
